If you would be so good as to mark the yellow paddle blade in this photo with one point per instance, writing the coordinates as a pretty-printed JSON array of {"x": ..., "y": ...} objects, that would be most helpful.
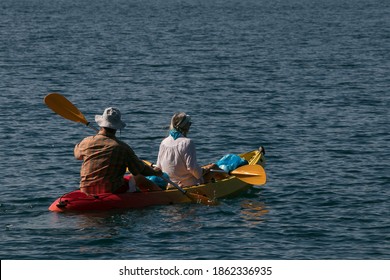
[
  {"x": 63, "y": 107},
  {"x": 251, "y": 174}
]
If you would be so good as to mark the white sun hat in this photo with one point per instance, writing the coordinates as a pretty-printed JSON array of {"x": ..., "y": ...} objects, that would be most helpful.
[{"x": 111, "y": 118}]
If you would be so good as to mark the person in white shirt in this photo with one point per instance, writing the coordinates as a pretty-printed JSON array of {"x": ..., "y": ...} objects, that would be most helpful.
[{"x": 177, "y": 154}]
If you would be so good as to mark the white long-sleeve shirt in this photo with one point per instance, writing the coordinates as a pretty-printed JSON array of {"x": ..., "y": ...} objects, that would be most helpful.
[{"x": 177, "y": 158}]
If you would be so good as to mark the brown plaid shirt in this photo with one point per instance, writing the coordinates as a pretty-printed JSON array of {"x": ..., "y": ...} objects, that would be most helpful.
[{"x": 105, "y": 160}]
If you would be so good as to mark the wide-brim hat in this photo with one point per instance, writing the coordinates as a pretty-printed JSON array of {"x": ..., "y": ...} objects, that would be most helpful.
[
  {"x": 181, "y": 121},
  {"x": 111, "y": 118}
]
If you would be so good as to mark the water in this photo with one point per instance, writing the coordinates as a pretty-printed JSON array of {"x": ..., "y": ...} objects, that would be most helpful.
[{"x": 306, "y": 79}]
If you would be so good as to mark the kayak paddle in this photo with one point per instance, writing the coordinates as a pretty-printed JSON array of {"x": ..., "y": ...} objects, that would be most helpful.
[
  {"x": 197, "y": 198},
  {"x": 63, "y": 107},
  {"x": 251, "y": 174}
]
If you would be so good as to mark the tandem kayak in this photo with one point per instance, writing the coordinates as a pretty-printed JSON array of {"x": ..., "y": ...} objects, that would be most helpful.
[{"x": 77, "y": 201}]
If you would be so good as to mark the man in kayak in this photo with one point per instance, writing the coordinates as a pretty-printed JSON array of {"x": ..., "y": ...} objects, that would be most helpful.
[
  {"x": 177, "y": 154},
  {"x": 106, "y": 158}
]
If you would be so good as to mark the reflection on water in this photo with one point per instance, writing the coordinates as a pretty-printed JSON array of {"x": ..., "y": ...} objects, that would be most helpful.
[
  {"x": 178, "y": 214},
  {"x": 101, "y": 226},
  {"x": 253, "y": 211}
]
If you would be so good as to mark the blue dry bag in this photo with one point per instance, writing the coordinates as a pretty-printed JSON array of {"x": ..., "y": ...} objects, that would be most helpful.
[
  {"x": 159, "y": 181},
  {"x": 230, "y": 162}
]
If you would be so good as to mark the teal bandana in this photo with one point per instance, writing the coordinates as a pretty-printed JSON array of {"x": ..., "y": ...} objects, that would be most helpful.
[{"x": 175, "y": 134}]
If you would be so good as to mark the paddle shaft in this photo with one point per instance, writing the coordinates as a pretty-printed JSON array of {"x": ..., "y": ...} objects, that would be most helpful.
[
  {"x": 197, "y": 198},
  {"x": 91, "y": 126},
  {"x": 174, "y": 184}
]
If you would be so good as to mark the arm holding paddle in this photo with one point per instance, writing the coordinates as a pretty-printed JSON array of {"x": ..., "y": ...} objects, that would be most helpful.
[{"x": 104, "y": 155}]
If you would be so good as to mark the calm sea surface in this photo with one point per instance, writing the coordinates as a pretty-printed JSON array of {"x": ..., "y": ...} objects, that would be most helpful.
[{"x": 307, "y": 79}]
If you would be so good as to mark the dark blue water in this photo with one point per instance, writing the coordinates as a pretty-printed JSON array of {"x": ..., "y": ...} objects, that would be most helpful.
[{"x": 307, "y": 79}]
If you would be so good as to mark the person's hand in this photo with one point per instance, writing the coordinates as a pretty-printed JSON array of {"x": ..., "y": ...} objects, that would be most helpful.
[
  {"x": 158, "y": 171},
  {"x": 180, "y": 184},
  {"x": 211, "y": 166},
  {"x": 206, "y": 169}
]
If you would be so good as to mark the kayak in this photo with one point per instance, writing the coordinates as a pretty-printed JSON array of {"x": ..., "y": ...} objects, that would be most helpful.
[{"x": 77, "y": 201}]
